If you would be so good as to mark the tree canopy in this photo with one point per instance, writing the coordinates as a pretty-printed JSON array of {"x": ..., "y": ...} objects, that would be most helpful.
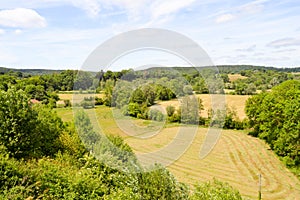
[
  {"x": 274, "y": 117},
  {"x": 27, "y": 129}
]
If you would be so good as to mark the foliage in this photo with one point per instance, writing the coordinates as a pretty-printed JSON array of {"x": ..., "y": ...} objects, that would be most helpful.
[
  {"x": 85, "y": 130},
  {"x": 163, "y": 93},
  {"x": 231, "y": 120},
  {"x": 27, "y": 130},
  {"x": 274, "y": 117},
  {"x": 67, "y": 103},
  {"x": 190, "y": 110},
  {"x": 71, "y": 142},
  {"x": 83, "y": 80},
  {"x": 88, "y": 102},
  {"x": 215, "y": 190},
  {"x": 158, "y": 183},
  {"x": 170, "y": 110},
  {"x": 98, "y": 101},
  {"x": 156, "y": 115}
]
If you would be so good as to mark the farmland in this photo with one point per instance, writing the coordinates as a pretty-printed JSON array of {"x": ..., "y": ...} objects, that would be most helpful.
[
  {"x": 234, "y": 102},
  {"x": 143, "y": 129},
  {"x": 76, "y": 98},
  {"x": 237, "y": 158}
]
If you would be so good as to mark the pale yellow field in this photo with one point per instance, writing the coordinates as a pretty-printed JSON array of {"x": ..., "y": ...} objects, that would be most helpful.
[
  {"x": 237, "y": 158},
  {"x": 234, "y": 77},
  {"x": 76, "y": 98},
  {"x": 234, "y": 102}
]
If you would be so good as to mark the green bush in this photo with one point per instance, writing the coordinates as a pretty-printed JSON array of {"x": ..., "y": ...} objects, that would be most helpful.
[
  {"x": 158, "y": 183},
  {"x": 27, "y": 130},
  {"x": 215, "y": 190},
  {"x": 156, "y": 115},
  {"x": 170, "y": 110},
  {"x": 98, "y": 101}
]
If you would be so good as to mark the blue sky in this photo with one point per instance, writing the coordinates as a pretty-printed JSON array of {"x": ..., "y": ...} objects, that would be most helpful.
[{"x": 60, "y": 34}]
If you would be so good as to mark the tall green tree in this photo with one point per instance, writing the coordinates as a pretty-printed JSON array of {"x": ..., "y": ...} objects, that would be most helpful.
[
  {"x": 275, "y": 116},
  {"x": 27, "y": 130}
]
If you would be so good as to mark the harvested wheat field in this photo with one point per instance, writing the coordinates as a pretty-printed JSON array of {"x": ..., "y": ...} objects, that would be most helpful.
[
  {"x": 234, "y": 102},
  {"x": 237, "y": 158},
  {"x": 234, "y": 77},
  {"x": 77, "y": 98}
]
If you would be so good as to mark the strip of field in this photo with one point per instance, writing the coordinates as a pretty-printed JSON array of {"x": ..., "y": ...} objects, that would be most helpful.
[
  {"x": 234, "y": 102},
  {"x": 237, "y": 158},
  {"x": 234, "y": 77},
  {"x": 77, "y": 98}
]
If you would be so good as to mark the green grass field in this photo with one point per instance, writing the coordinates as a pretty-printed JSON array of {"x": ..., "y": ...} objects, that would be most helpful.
[{"x": 237, "y": 158}]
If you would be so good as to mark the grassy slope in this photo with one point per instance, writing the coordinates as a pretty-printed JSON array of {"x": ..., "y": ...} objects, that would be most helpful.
[{"x": 237, "y": 158}]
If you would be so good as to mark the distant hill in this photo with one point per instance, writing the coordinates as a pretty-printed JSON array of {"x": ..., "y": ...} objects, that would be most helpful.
[
  {"x": 226, "y": 68},
  {"x": 29, "y": 71}
]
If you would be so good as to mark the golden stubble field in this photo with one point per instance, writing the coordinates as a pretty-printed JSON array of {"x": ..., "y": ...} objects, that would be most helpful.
[
  {"x": 237, "y": 158},
  {"x": 234, "y": 102},
  {"x": 77, "y": 98}
]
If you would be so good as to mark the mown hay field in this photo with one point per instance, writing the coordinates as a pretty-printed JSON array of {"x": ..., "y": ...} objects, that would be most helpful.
[
  {"x": 237, "y": 158},
  {"x": 234, "y": 77}
]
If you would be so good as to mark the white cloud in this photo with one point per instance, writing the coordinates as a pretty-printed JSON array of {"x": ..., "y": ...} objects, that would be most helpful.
[
  {"x": 21, "y": 18},
  {"x": 248, "y": 49},
  {"x": 166, "y": 7},
  {"x": 252, "y": 8},
  {"x": 134, "y": 9},
  {"x": 2, "y": 31},
  {"x": 91, "y": 7},
  {"x": 285, "y": 42},
  {"x": 18, "y": 32},
  {"x": 225, "y": 18}
]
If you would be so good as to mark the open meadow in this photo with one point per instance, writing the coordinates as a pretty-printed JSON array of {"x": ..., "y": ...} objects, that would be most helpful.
[{"x": 237, "y": 158}]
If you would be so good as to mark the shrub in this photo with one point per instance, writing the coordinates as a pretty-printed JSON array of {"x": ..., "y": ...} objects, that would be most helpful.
[
  {"x": 158, "y": 183},
  {"x": 156, "y": 115},
  {"x": 170, "y": 110},
  {"x": 27, "y": 130},
  {"x": 99, "y": 101},
  {"x": 67, "y": 103},
  {"x": 215, "y": 190}
]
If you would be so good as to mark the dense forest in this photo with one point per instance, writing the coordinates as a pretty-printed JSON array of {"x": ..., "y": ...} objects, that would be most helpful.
[{"x": 42, "y": 157}]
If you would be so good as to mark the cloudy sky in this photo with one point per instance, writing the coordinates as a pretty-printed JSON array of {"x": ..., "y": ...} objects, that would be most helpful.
[{"x": 60, "y": 34}]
